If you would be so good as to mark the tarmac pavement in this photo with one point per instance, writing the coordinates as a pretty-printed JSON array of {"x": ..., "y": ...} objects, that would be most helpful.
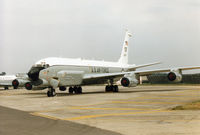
[{"x": 143, "y": 110}]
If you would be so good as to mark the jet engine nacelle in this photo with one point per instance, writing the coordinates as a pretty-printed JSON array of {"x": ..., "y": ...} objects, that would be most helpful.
[
  {"x": 129, "y": 80},
  {"x": 18, "y": 83},
  {"x": 175, "y": 76},
  {"x": 37, "y": 85},
  {"x": 69, "y": 78},
  {"x": 61, "y": 78},
  {"x": 30, "y": 86}
]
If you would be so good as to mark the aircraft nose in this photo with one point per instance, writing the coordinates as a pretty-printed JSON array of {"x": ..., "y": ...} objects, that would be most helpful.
[{"x": 34, "y": 73}]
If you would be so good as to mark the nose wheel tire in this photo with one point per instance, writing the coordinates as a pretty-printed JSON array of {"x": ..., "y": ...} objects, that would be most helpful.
[{"x": 51, "y": 92}]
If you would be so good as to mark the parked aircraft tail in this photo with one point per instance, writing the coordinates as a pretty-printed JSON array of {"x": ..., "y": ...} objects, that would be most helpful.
[{"x": 124, "y": 54}]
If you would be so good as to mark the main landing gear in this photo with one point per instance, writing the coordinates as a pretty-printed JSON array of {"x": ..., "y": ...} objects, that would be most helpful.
[
  {"x": 51, "y": 92},
  {"x": 75, "y": 89},
  {"x": 111, "y": 88}
]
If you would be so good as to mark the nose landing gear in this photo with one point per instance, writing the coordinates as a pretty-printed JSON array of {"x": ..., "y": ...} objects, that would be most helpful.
[{"x": 51, "y": 92}]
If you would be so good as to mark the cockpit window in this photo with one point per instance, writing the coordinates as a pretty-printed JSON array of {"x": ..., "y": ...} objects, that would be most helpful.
[{"x": 41, "y": 65}]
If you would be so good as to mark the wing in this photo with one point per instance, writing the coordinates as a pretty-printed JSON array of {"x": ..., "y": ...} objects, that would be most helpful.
[
  {"x": 148, "y": 72},
  {"x": 103, "y": 77}
]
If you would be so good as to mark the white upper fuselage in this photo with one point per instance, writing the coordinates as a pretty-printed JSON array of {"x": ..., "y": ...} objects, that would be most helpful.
[{"x": 53, "y": 61}]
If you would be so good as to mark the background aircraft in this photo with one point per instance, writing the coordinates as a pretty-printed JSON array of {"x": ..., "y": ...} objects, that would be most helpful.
[
  {"x": 74, "y": 73},
  {"x": 2, "y": 73},
  {"x": 7, "y": 80}
]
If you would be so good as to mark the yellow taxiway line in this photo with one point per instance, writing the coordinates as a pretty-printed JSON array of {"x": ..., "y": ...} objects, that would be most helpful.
[
  {"x": 136, "y": 102},
  {"x": 99, "y": 115},
  {"x": 121, "y": 109},
  {"x": 112, "y": 114},
  {"x": 45, "y": 116}
]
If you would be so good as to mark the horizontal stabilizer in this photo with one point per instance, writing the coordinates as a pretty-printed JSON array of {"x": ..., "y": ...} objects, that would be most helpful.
[{"x": 134, "y": 67}]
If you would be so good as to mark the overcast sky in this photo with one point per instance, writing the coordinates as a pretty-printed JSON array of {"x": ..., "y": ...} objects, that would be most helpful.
[{"x": 163, "y": 30}]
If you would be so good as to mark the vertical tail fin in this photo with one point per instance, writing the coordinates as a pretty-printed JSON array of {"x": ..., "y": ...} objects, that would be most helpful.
[{"x": 124, "y": 54}]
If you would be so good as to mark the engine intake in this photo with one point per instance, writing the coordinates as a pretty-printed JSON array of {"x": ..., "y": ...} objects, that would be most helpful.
[
  {"x": 15, "y": 83},
  {"x": 125, "y": 82},
  {"x": 28, "y": 86},
  {"x": 31, "y": 86},
  {"x": 174, "y": 76},
  {"x": 129, "y": 80},
  {"x": 171, "y": 76}
]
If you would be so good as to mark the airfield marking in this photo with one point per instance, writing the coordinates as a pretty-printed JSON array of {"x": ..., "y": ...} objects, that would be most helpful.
[
  {"x": 170, "y": 98},
  {"x": 53, "y": 110},
  {"x": 129, "y": 101},
  {"x": 112, "y": 102},
  {"x": 83, "y": 108},
  {"x": 113, "y": 114},
  {"x": 164, "y": 120},
  {"x": 136, "y": 102},
  {"x": 123, "y": 101},
  {"x": 97, "y": 115},
  {"x": 102, "y": 103},
  {"x": 63, "y": 108},
  {"x": 184, "y": 94},
  {"x": 45, "y": 116},
  {"x": 122, "y": 109}
]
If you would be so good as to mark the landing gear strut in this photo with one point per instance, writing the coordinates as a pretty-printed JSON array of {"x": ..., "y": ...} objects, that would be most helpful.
[
  {"x": 51, "y": 92},
  {"x": 113, "y": 88},
  {"x": 75, "y": 89},
  {"x": 110, "y": 87}
]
